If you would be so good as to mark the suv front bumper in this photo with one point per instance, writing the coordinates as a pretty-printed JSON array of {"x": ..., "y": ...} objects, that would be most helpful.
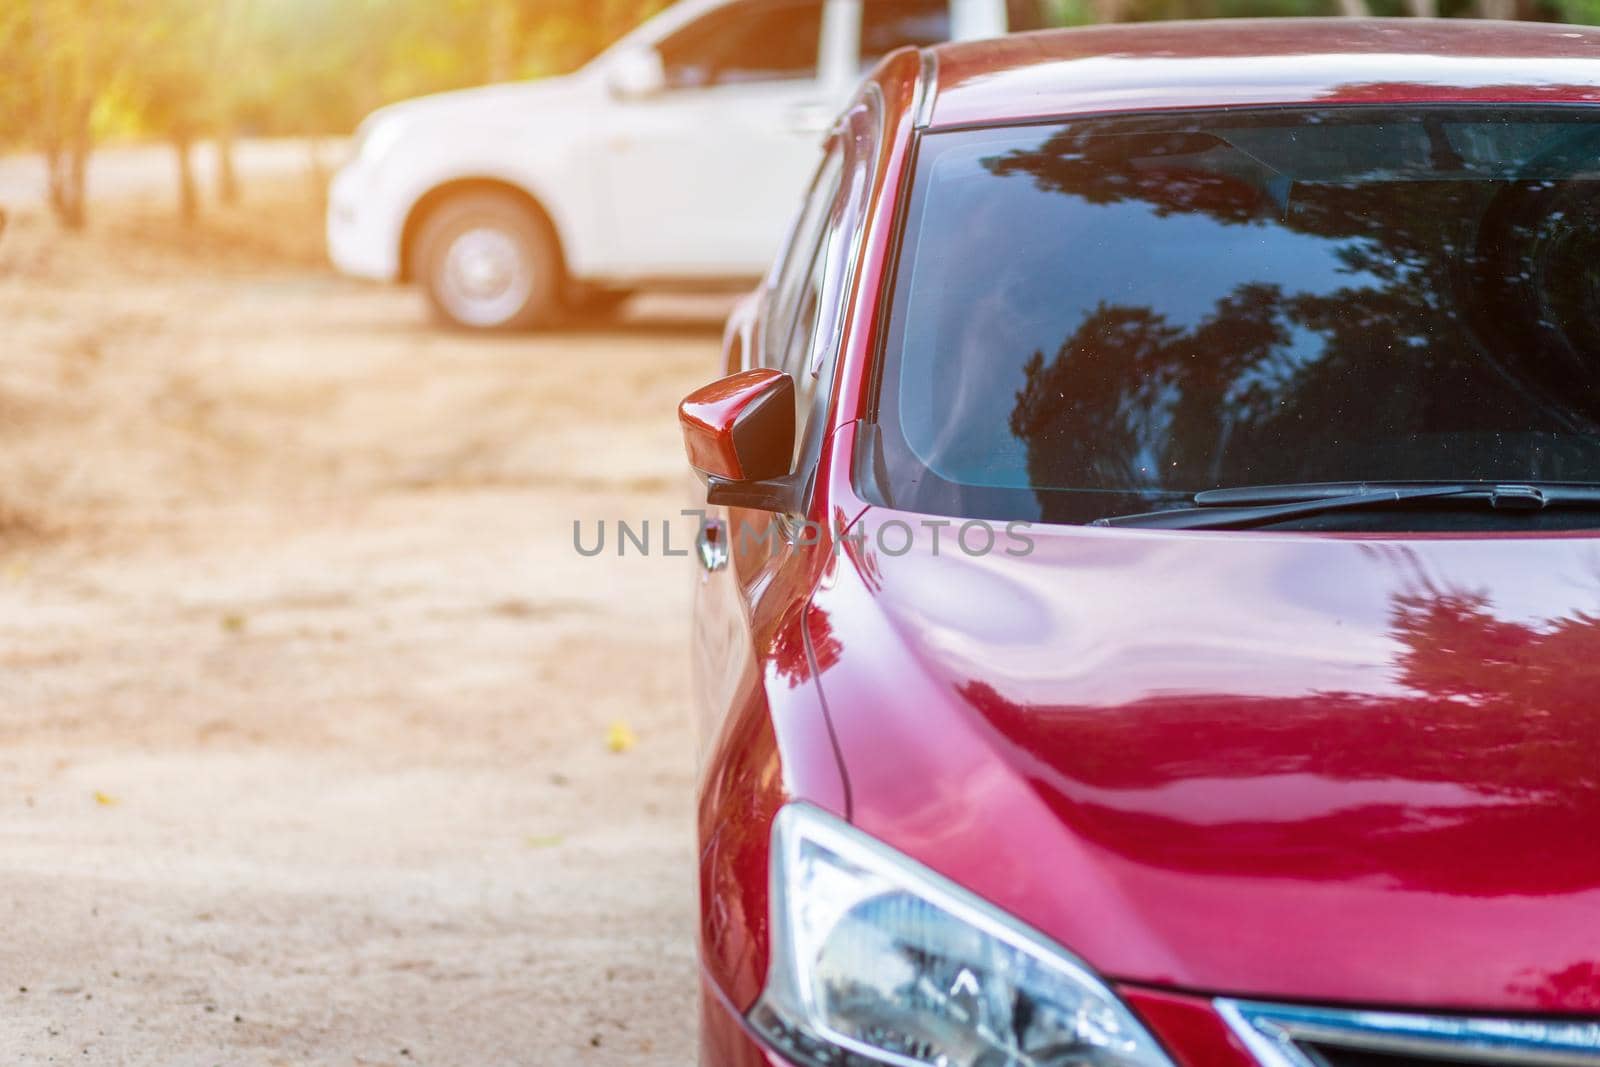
[{"x": 362, "y": 241}]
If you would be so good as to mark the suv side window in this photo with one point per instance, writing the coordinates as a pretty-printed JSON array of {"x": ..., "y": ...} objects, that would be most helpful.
[
  {"x": 748, "y": 41},
  {"x": 1024, "y": 15},
  {"x": 890, "y": 24}
]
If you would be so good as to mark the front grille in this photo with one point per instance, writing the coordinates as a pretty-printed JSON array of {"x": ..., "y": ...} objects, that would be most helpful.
[{"x": 1282, "y": 1035}]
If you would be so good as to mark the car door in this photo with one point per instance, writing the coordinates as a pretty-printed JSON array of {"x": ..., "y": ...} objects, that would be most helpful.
[
  {"x": 738, "y": 548},
  {"x": 760, "y": 568},
  {"x": 704, "y": 175}
]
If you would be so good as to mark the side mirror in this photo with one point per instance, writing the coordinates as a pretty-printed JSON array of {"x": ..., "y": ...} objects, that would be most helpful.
[
  {"x": 739, "y": 434},
  {"x": 637, "y": 74}
]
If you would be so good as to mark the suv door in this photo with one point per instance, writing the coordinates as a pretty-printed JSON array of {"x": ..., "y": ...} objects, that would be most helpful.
[{"x": 703, "y": 176}]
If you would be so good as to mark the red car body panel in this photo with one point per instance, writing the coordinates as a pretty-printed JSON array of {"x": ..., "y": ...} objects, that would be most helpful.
[
  {"x": 756, "y": 624},
  {"x": 774, "y": 745},
  {"x": 1329, "y": 769},
  {"x": 1238, "y": 62},
  {"x": 1343, "y": 769},
  {"x": 1194, "y": 1034}
]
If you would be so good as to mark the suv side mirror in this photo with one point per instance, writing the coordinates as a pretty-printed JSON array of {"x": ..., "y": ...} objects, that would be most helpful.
[
  {"x": 637, "y": 74},
  {"x": 739, "y": 434}
]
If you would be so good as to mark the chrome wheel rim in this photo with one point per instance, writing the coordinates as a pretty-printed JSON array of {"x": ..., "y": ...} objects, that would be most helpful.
[{"x": 486, "y": 276}]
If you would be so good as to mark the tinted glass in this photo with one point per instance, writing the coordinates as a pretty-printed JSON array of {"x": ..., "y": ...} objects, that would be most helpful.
[
  {"x": 796, "y": 357},
  {"x": 1033, "y": 15},
  {"x": 890, "y": 24},
  {"x": 793, "y": 271},
  {"x": 816, "y": 302},
  {"x": 1109, "y": 315},
  {"x": 759, "y": 40}
]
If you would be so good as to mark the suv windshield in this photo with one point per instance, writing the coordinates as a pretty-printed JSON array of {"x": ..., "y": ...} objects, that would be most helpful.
[{"x": 1114, "y": 314}]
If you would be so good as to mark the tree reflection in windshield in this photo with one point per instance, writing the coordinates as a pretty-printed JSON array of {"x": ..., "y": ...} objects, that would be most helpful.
[
  {"x": 1489, "y": 749},
  {"x": 1405, "y": 299}
]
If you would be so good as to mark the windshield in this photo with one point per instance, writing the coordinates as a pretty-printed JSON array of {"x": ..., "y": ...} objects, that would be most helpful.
[{"x": 1114, "y": 314}]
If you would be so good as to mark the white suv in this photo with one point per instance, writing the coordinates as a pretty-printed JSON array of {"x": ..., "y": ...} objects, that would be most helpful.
[{"x": 676, "y": 156}]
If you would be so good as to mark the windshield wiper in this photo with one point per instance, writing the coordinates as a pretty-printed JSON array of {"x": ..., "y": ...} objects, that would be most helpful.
[{"x": 1261, "y": 505}]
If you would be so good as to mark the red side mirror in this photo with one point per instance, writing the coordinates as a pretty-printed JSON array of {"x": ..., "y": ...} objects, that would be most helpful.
[{"x": 741, "y": 428}]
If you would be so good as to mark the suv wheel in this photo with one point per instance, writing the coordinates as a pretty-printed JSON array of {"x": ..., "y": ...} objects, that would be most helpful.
[{"x": 488, "y": 263}]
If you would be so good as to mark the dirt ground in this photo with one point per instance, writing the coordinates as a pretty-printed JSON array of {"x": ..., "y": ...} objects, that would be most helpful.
[{"x": 305, "y": 695}]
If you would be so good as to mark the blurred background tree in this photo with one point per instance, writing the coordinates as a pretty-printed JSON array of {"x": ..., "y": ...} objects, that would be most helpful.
[
  {"x": 61, "y": 58},
  {"x": 78, "y": 71},
  {"x": 173, "y": 81}
]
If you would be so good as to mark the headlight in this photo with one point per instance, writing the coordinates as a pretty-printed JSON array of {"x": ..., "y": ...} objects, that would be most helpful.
[{"x": 877, "y": 960}]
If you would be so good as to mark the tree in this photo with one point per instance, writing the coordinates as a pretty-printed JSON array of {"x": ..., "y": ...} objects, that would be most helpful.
[
  {"x": 229, "y": 55},
  {"x": 171, "y": 84},
  {"x": 62, "y": 57}
]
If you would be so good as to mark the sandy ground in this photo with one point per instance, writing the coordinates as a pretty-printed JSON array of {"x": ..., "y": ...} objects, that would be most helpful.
[{"x": 304, "y": 693}]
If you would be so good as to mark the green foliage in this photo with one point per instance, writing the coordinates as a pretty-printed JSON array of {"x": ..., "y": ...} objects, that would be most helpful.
[
  {"x": 13, "y": 92},
  {"x": 317, "y": 66},
  {"x": 187, "y": 69},
  {"x": 163, "y": 67},
  {"x": 1584, "y": 11},
  {"x": 61, "y": 58}
]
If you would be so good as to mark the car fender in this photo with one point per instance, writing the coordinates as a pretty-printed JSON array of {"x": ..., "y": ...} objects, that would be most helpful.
[{"x": 539, "y": 139}]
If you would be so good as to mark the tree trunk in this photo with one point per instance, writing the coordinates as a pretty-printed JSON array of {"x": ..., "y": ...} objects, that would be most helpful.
[
  {"x": 317, "y": 170},
  {"x": 52, "y": 124},
  {"x": 188, "y": 192},
  {"x": 1497, "y": 9},
  {"x": 1423, "y": 9},
  {"x": 227, "y": 173},
  {"x": 67, "y": 165},
  {"x": 64, "y": 205},
  {"x": 1354, "y": 8},
  {"x": 228, "y": 52},
  {"x": 1109, "y": 10}
]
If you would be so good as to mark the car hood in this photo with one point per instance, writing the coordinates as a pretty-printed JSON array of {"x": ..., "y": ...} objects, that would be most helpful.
[
  {"x": 506, "y": 104},
  {"x": 1332, "y": 769}
]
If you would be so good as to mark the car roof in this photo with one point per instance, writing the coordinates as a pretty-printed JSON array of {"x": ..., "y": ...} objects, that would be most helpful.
[{"x": 1237, "y": 62}]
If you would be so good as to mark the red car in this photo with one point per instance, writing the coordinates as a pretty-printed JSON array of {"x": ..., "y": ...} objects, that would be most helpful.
[{"x": 1150, "y": 606}]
